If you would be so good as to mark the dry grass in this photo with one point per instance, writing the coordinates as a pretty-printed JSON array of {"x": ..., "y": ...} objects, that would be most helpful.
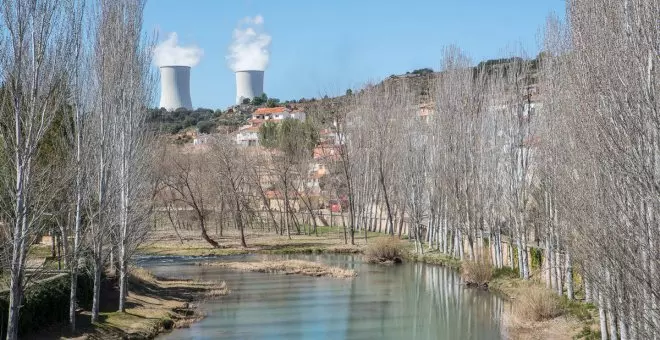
[
  {"x": 141, "y": 276},
  {"x": 157, "y": 304},
  {"x": 220, "y": 290},
  {"x": 288, "y": 267},
  {"x": 534, "y": 312},
  {"x": 537, "y": 304},
  {"x": 385, "y": 250},
  {"x": 560, "y": 328},
  {"x": 477, "y": 273},
  {"x": 163, "y": 241}
]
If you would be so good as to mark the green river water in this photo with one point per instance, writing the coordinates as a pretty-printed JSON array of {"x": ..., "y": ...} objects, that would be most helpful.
[{"x": 407, "y": 301}]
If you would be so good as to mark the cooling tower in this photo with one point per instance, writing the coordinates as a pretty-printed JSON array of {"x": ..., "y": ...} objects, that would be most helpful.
[
  {"x": 249, "y": 84},
  {"x": 175, "y": 87}
]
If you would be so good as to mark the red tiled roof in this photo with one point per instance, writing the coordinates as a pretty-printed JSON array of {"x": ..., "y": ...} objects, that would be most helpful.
[
  {"x": 328, "y": 152},
  {"x": 249, "y": 129},
  {"x": 270, "y": 110}
]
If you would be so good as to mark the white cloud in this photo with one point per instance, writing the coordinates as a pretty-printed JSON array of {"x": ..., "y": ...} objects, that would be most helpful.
[
  {"x": 169, "y": 53},
  {"x": 249, "y": 49}
]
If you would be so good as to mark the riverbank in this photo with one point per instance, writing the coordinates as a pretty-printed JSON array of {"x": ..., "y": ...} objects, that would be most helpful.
[
  {"x": 537, "y": 313},
  {"x": 154, "y": 305},
  {"x": 577, "y": 319}
]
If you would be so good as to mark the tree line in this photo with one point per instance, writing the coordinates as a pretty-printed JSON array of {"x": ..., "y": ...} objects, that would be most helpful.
[
  {"x": 75, "y": 84},
  {"x": 557, "y": 154}
]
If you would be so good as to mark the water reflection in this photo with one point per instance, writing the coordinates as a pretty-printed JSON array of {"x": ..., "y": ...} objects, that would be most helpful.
[{"x": 409, "y": 301}]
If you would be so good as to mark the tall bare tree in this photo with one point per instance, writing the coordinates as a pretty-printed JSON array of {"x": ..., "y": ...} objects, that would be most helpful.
[
  {"x": 131, "y": 140},
  {"x": 35, "y": 60}
]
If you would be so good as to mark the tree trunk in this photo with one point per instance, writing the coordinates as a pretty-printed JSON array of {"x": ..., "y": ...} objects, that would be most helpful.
[
  {"x": 343, "y": 222},
  {"x": 557, "y": 271},
  {"x": 123, "y": 280},
  {"x": 73, "y": 296},
  {"x": 390, "y": 220},
  {"x": 18, "y": 252},
  {"x": 239, "y": 222},
  {"x": 205, "y": 236},
  {"x": 602, "y": 316},
  {"x": 15, "y": 301},
  {"x": 96, "y": 299},
  {"x": 113, "y": 268},
  {"x": 445, "y": 230},
  {"x": 550, "y": 262},
  {"x": 587, "y": 290},
  {"x": 403, "y": 214},
  {"x": 286, "y": 212},
  {"x": 611, "y": 321},
  {"x": 569, "y": 277},
  {"x": 520, "y": 256}
]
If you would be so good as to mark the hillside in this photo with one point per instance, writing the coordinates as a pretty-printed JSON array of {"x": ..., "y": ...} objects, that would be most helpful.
[{"x": 421, "y": 82}]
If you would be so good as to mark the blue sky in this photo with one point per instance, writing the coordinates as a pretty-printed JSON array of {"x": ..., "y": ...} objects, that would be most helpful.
[{"x": 324, "y": 47}]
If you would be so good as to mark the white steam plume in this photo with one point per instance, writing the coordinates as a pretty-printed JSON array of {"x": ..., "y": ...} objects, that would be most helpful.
[
  {"x": 169, "y": 53},
  {"x": 249, "y": 48}
]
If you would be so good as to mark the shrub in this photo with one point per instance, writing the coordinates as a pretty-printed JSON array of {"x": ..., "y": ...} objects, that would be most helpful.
[
  {"x": 175, "y": 128},
  {"x": 205, "y": 126},
  {"x": 537, "y": 304},
  {"x": 477, "y": 273},
  {"x": 505, "y": 272},
  {"x": 579, "y": 310},
  {"x": 272, "y": 102},
  {"x": 46, "y": 303},
  {"x": 189, "y": 121},
  {"x": 588, "y": 334},
  {"x": 536, "y": 257},
  {"x": 385, "y": 250}
]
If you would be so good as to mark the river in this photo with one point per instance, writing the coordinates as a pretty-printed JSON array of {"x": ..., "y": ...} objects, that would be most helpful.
[{"x": 407, "y": 301}]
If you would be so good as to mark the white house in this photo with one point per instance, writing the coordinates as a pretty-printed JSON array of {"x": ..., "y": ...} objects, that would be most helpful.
[
  {"x": 279, "y": 113},
  {"x": 248, "y": 136}
]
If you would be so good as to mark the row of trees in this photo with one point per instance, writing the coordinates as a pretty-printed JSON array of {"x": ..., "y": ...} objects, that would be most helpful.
[
  {"x": 559, "y": 154},
  {"x": 75, "y": 83}
]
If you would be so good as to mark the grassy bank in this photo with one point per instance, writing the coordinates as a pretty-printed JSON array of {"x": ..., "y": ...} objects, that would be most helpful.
[
  {"x": 154, "y": 305},
  {"x": 287, "y": 267},
  {"x": 434, "y": 257},
  {"x": 257, "y": 244},
  {"x": 538, "y": 313}
]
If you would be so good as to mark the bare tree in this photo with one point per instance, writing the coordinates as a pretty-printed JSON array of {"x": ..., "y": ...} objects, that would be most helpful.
[
  {"x": 34, "y": 64},
  {"x": 187, "y": 181},
  {"x": 232, "y": 180},
  {"x": 131, "y": 142},
  {"x": 80, "y": 99}
]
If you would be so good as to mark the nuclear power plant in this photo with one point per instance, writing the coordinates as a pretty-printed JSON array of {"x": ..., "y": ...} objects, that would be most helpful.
[
  {"x": 249, "y": 84},
  {"x": 175, "y": 87}
]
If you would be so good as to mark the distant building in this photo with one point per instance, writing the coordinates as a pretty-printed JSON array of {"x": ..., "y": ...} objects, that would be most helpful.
[
  {"x": 279, "y": 113},
  {"x": 327, "y": 153},
  {"x": 426, "y": 110},
  {"x": 201, "y": 138},
  {"x": 248, "y": 135}
]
